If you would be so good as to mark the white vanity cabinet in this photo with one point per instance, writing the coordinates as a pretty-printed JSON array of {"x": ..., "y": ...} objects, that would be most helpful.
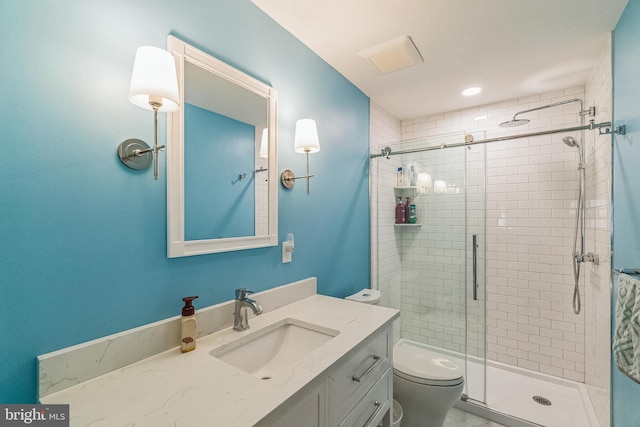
[
  {"x": 308, "y": 412},
  {"x": 358, "y": 392}
]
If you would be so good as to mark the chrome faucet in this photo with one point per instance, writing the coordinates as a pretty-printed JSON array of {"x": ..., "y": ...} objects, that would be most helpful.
[{"x": 241, "y": 318}]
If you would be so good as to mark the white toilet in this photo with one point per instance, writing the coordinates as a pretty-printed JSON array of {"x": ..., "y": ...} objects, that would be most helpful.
[
  {"x": 425, "y": 383},
  {"x": 367, "y": 296}
]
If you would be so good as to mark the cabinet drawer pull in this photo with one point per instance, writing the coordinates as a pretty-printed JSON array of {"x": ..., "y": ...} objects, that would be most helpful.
[
  {"x": 376, "y": 360},
  {"x": 375, "y": 413}
]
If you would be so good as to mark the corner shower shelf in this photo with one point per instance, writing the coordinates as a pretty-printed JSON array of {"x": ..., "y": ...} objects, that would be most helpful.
[{"x": 407, "y": 225}]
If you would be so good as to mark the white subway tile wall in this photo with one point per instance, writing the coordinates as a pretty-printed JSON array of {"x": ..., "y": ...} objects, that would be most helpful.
[{"x": 385, "y": 130}]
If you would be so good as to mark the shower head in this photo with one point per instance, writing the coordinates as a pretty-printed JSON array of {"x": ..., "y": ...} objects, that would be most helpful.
[
  {"x": 513, "y": 123},
  {"x": 570, "y": 141},
  {"x": 520, "y": 122}
]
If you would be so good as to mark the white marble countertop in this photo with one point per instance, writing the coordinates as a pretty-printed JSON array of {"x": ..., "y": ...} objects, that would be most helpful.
[{"x": 196, "y": 389}]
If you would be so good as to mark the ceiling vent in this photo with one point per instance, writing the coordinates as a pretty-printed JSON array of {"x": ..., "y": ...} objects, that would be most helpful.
[{"x": 391, "y": 56}]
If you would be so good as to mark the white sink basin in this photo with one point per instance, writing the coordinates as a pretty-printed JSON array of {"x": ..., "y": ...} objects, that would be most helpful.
[{"x": 273, "y": 349}]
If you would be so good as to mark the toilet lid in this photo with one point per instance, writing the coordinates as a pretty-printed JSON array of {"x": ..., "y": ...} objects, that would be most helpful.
[
  {"x": 424, "y": 366},
  {"x": 370, "y": 296}
]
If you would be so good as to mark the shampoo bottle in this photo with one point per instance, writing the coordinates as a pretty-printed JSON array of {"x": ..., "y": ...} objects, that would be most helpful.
[
  {"x": 406, "y": 211},
  {"x": 413, "y": 218},
  {"x": 400, "y": 212},
  {"x": 188, "y": 331},
  {"x": 400, "y": 177}
]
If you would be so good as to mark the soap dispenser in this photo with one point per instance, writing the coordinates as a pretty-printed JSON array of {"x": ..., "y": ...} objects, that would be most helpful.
[{"x": 188, "y": 330}]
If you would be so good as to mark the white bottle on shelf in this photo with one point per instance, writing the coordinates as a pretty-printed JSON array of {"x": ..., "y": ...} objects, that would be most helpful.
[{"x": 400, "y": 181}]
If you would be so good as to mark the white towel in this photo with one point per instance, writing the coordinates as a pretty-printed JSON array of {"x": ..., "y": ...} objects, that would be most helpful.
[{"x": 626, "y": 342}]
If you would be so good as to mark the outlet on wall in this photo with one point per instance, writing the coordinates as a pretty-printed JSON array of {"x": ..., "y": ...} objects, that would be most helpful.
[{"x": 286, "y": 254}]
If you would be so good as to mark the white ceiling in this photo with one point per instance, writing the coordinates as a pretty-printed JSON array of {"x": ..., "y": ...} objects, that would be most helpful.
[{"x": 511, "y": 48}]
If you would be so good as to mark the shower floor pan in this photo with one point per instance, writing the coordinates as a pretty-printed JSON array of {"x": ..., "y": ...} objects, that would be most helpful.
[{"x": 516, "y": 395}]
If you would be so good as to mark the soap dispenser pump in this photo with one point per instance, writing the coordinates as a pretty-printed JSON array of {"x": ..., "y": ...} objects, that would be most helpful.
[{"x": 188, "y": 330}]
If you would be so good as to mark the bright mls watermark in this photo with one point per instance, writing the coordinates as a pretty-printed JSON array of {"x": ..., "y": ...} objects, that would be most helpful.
[{"x": 34, "y": 415}]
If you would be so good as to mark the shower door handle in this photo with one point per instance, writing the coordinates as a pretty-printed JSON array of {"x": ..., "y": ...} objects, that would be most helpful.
[{"x": 475, "y": 266}]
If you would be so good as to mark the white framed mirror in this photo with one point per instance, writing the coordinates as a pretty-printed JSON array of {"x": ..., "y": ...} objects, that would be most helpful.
[{"x": 222, "y": 192}]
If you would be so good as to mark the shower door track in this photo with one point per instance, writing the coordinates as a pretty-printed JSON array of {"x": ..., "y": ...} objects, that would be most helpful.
[{"x": 620, "y": 130}]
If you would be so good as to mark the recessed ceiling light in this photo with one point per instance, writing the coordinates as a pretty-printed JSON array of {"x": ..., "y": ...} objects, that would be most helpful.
[
  {"x": 480, "y": 117},
  {"x": 472, "y": 91}
]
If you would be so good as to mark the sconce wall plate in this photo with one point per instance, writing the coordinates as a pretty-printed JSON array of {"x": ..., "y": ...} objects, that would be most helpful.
[
  {"x": 135, "y": 153},
  {"x": 287, "y": 178}
]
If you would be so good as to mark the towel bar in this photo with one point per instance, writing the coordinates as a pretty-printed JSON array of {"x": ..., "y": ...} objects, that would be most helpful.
[{"x": 626, "y": 270}]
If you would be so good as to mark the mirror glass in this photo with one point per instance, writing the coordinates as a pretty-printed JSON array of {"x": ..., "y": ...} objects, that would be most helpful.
[{"x": 221, "y": 184}]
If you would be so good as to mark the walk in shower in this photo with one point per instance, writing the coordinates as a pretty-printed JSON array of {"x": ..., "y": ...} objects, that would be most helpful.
[{"x": 487, "y": 274}]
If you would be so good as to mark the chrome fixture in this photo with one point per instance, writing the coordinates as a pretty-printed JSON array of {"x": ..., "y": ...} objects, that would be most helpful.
[
  {"x": 244, "y": 175},
  {"x": 520, "y": 122},
  {"x": 241, "y": 318},
  {"x": 570, "y": 141},
  {"x": 154, "y": 86},
  {"x": 385, "y": 152},
  {"x": 618, "y": 130},
  {"x": 578, "y": 257},
  {"x": 514, "y": 122},
  {"x": 306, "y": 141}
]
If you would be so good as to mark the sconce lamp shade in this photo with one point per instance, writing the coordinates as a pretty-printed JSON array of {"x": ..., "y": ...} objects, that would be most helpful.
[
  {"x": 264, "y": 144},
  {"x": 154, "y": 80},
  {"x": 424, "y": 180},
  {"x": 439, "y": 186},
  {"x": 306, "y": 138}
]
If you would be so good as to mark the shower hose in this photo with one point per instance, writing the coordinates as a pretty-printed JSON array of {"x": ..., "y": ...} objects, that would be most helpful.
[{"x": 577, "y": 258}]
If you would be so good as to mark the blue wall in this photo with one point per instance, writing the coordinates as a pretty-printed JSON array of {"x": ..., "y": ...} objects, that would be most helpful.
[
  {"x": 83, "y": 238},
  {"x": 219, "y": 149},
  {"x": 626, "y": 180}
]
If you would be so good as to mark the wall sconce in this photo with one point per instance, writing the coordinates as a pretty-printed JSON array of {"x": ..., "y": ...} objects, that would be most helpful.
[
  {"x": 306, "y": 141},
  {"x": 154, "y": 86}
]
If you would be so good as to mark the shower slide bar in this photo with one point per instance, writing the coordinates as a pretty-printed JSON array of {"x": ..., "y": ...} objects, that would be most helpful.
[{"x": 619, "y": 130}]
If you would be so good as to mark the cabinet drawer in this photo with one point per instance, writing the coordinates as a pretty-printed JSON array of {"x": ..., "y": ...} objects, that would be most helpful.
[
  {"x": 357, "y": 375},
  {"x": 370, "y": 410},
  {"x": 308, "y": 412}
]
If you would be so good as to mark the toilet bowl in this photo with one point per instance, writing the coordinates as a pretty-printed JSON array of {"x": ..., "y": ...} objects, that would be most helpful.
[
  {"x": 367, "y": 296},
  {"x": 425, "y": 383}
]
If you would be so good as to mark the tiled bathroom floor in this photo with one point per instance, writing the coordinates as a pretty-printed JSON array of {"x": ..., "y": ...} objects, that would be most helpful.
[{"x": 458, "y": 418}]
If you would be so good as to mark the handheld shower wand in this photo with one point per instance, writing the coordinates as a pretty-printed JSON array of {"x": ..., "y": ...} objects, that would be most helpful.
[{"x": 578, "y": 257}]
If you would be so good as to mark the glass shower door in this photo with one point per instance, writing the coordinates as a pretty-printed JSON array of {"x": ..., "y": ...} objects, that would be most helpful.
[{"x": 426, "y": 269}]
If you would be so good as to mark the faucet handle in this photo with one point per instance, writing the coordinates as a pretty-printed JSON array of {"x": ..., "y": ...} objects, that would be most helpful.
[{"x": 242, "y": 293}]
